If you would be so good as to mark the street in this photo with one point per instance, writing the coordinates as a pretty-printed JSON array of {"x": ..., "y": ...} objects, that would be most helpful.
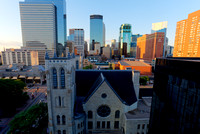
[{"x": 39, "y": 93}]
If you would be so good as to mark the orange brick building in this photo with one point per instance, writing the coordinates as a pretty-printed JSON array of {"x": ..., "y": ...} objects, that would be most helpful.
[
  {"x": 187, "y": 43},
  {"x": 145, "y": 69},
  {"x": 150, "y": 46}
]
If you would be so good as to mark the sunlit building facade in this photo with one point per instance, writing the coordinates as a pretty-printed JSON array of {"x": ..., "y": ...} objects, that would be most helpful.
[
  {"x": 44, "y": 21},
  {"x": 161, "y": 27},
  {"x": 187, "y": 41},
  {"x": 97, "y": 30}
]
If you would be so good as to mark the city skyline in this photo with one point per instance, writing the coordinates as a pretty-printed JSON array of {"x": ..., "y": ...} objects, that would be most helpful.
[{"x": 140, "y": 17}]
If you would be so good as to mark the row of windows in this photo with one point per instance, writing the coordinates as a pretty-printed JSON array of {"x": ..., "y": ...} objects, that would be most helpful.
[
  {"x": 59, "y": 120},
  {"x": 90, "y": 114},
  {"x": 80, "y": 125},
  {"x": 143, "y": 126},
  {"x": 59, "y": 131},
  {"x": 103, "y": 124},
  {"x": 62, "y": 78}
]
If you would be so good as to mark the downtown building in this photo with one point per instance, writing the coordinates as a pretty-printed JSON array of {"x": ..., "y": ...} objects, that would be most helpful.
[
  {"x": 44, "y": 21},
  {"x": 187, "y": 39},
  {"x": 133, "y": 48},
  {"x": 93, "y": 101},
  {"x": 150, "y": 46},
  {"x": 125, "y": 40},
  {"x": 97, "y": 30},
  {"x": 77, "y": 36},
  {"x": 175, "y": 105}
]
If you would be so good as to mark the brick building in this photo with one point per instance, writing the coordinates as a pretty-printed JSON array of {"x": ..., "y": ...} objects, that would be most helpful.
[{"x": 150, "y": 46}]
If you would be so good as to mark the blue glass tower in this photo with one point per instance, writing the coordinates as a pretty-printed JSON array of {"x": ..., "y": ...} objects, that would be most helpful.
[
  {"x": 125, "y": 37},
  {"x": 133, "y": 50},
  {"x": 61, "y": 27},
  {"x": 96, "y": 30}
]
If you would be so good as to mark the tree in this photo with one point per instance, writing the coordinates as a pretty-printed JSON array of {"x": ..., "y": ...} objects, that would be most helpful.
[
  {"x": 88, "y": 67},
  {"x": 11, "y": 95},
  {"x": 31, "y": 121},
  {"x": 143, "y": 80}
]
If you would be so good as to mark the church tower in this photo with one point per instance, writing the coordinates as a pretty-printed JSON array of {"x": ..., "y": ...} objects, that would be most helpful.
[{"x": 60, "y": 76}]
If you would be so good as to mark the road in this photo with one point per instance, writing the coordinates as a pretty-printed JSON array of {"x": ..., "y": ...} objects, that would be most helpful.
[{"x": 39, "y": 97}]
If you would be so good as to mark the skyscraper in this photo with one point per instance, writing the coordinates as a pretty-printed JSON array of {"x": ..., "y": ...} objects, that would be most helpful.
[
  {"x": 97, "y": 30},
  {"x": 125, "y": 37},
  {"x": 77, "y": 36},
  {"x": 44, "y": 21},
  {"x": 133, "y": 49},
  {"x": 187, "y": 41},
  {"x": 161, "y": 27}
]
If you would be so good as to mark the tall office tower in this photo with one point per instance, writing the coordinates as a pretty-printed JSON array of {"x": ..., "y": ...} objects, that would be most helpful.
[
  {"x": 97, "y": 30},
  {"x": 176, "y": 97},
  {"x": 187, "y": 41},
  {"x": 77, "y": 36},
  {"x": 44, "y": 21},
  {"x": 125, "y": 37},
  {"x": 113, "y": 43},
  {"x": 104, "y": 34},
  {"x": 150, "y": 46},
  {"x": 161, "y": 27},
  {"x": 134, "y": 45}
]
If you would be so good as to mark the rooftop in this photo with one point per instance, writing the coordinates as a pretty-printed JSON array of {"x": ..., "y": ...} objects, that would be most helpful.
[
  {"x": 133, "y": 63},
  {"x": 142, "y": 111}
]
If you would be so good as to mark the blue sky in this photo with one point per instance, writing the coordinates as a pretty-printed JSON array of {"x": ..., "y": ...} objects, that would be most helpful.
[{"x": 139, "y": 13}]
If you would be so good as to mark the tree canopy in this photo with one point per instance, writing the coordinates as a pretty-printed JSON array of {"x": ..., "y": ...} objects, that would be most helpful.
[
  {"x": 32, "y": 121},
  {"x": 11, "y": 95},
  {"x": 88, "y": 67},
  {"x": 143, "y": 80}
]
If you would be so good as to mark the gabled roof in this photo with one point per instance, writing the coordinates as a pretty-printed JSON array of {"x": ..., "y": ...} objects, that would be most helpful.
[{"x": 120, "y": 81}]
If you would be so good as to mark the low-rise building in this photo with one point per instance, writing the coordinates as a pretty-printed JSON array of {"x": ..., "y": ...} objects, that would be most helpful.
[{"x": 144, "y": 68}]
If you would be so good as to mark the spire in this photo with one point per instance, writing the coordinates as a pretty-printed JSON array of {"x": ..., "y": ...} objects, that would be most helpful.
[{"x": 46, "y": 55}]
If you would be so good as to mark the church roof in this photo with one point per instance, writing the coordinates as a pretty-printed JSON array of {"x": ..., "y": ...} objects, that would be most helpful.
[{"x": 120, "y": 81}]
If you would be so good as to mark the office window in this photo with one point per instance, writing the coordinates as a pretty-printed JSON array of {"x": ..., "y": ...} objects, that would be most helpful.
[
  {"x": 62, "y": 78},
  {"x": 143, "y": 126},
  {"x": 117, "y": 114},
  {"x": 103, "y": 124},
  {"x": 98, "y": 124},
  {"x": 90, "y": 114},
  {"x": 90, "y": 125},
  {"x": 64, "y": 131},
  {"x": 58, "y": 119},
  {"x": 116, "y": 125},
  {"x": 59, "y": 132},
  {"x": 55, "y": 85},
  {"x": 108, "y": 124}
]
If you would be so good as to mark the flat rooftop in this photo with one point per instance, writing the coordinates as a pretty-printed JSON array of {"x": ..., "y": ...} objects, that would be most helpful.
[
  {"x": 143, "y": 110},
  {"x": 133, "y": 63}
]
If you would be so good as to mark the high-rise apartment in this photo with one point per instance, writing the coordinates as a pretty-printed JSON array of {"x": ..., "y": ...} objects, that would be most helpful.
[
  {"x": 125, "y": 37},
  {"x": 161, "y": 27},
  {"x": 77, "y": 36},
  {"x": 44, "y": 21},
  {"x": 150, "y": 46},
  {"x": 187, "y": 41},
  {"x": 97, "y": 30}
]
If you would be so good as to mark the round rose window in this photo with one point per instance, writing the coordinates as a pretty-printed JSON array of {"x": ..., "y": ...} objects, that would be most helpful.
[{"x": 103, "y": 111}]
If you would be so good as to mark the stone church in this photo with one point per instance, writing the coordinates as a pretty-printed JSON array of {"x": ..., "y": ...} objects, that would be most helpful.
[{"x": 93, "y": 101}]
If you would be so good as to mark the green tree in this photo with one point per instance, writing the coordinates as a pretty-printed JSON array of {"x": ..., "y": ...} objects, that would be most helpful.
[
  {"x": 88, "y": 67},
  {"x": 143, "y": 80},
  {"x": 32, "y": 121},
  {"x": 11, "y": 95}
]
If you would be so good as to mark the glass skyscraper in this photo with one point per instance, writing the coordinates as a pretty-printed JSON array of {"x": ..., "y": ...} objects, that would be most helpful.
[
  {"x": 125, "y": 37},
  {"x": 133, "y": 49},
  {"x": 39, "y": 18},
  {"x": 97, "y": 30}
]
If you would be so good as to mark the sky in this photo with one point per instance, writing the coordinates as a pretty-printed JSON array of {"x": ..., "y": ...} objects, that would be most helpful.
[{"x": 139, "y": 13}]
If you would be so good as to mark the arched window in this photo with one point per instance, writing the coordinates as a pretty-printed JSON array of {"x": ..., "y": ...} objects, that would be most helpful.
[
  {"x": 63, "y": 120},
  {"x": 55, "y": 85},
  {"x": 89, "y": 114},
  {"x": 64, "y": 131},
  {"x": 117, "y": 114},
  {"x": 62, "y": 78},
  {"x": 59, "y": 132},
  {"x": 58, "y": 119},
  {"x": 59, "y": 99}
]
